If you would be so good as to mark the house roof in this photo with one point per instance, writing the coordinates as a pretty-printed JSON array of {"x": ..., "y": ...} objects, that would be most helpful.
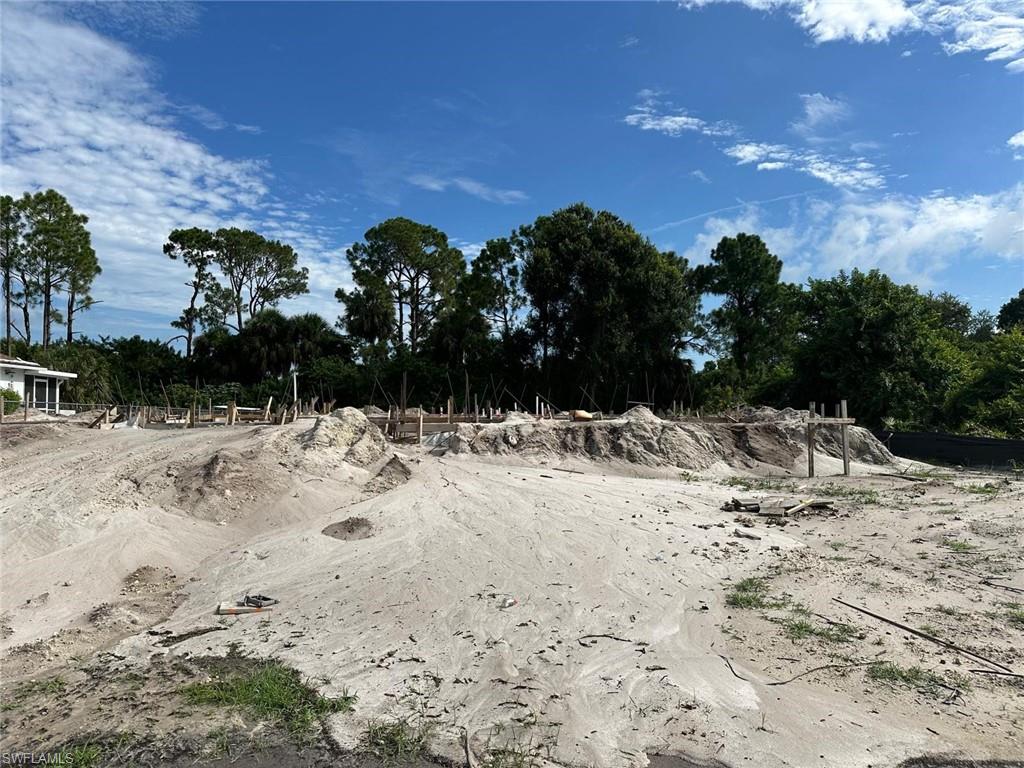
[{"x": 6, "y": 361}]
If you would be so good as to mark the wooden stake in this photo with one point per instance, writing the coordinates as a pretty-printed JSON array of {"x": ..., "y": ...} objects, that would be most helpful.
[
  {"x": 810, "y": 441},
  {"x": 846, "y": 439},
  {"x": 419, "y": 428}
]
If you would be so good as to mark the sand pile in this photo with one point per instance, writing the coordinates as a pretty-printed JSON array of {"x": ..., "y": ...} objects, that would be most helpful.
[
  {"x": 348, "y": 435},
  {"x": 640, "y": 437},
  {"x": 256, "y": 468},
  {"x": 864, "y": 446}
]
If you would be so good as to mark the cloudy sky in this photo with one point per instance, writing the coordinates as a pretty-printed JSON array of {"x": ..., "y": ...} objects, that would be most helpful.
[{"x": 848, "y": 133}]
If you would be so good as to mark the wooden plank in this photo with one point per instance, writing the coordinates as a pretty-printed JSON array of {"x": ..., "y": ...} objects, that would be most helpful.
[{"x": 829, "y": 420}]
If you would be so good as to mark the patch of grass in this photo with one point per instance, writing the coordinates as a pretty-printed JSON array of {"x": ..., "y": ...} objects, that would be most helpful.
[
  {"x": 946, "y": 610},
  {"x": 54, "y": 686},
  {"x": 510, "y": 757},
  {"x": 837, "y": 545},
  {"x": 801, "y": 629},
  {"x": 916, "y": 678},
  {"x": 760, "y": 483},
  {"x": 863, "y": 495},
  {"x": 396, "y": 741},
  {"x": 81, "y": 755},
  {"x": 958, "y": 545},
  {"x": 749, "y": 593},
  {"x": 1015, "y": 614},
  {"x": 984, "y": 489},
  {"x": 270, "y": 691},
  {"x": 928, "y": 629}
]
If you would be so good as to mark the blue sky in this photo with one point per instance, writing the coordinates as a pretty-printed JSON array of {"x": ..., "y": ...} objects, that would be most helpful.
[{"x": 854, "y": 133}]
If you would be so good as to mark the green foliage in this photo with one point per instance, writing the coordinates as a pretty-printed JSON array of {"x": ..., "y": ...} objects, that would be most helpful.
[
  {"x": 10, "y": 400},
  {"x": 269, "y": 691},
  {"x": 754, "y": 320},
  {"x": 1011, "y": 314},
  {"x": 607, "y": 307},
  {"x": 46, "y": 256},
  {"x": 413, "y": 266}
]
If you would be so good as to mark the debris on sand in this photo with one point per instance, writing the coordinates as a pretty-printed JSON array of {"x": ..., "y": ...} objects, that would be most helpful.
[{"x": 349, "y": 529}]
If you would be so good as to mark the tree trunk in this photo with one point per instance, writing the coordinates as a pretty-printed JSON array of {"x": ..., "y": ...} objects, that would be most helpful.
[
  {"x": 46, "y": 311},
  {"x": 70, "y": 319},
  {"x": 27, "y": 319},
  {"x": 7, "y": 308}
]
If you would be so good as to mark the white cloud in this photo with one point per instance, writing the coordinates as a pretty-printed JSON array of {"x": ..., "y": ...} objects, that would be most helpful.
[
  {"x": 654, "y": 114},
  {"x": 631, "y": 41},
  {"x": 845, "y": 173},
  {"x": 852, "y": 173},
  {"x": 470, "y": 187},
  {"x": 820, "y": 111},
  {"x": 1016, "y": 142},
  {"x": 80, "y": 114},
  {"x": 911, "y": 239},
  {"x": 993, "y": 27},
  {"x": 699, "y": 175},
  {"x": 906, "y": 54}
]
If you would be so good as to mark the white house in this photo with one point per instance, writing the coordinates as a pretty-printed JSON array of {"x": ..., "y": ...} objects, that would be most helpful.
[{"x": 38, "y": 387}]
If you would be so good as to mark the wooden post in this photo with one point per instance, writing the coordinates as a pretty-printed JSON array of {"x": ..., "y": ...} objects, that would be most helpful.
[
  {"x": 810, "y": 440},
  {"x": 536, "y": 406},
  {"x": 405, "y": 375},
  {"x": 450, "y": 406},
  {"x": 476, "y": 409},
  {"x": 209, "y": 403},
  {"x": 419, "y": 428},
  {"x": 846, "y": 439},
  {"x": 266, "y": 411}
]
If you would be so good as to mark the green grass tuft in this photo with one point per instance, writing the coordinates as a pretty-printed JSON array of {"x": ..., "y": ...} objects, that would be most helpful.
[
  {"x": 800, "y": 629},
  {"x": 916, "y": 678},
  {"x": 270, "y": 691},
  {"x": 983, "y": 489},
  {"x": 957, "y": 545},
  {"x": 749, "y": 593},
  {"x": 396, "y": 741},
  {"x": 760, "y": 483},
  {"x": 863, "y": 495}
]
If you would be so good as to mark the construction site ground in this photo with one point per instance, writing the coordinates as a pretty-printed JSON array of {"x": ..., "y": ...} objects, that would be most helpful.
[{"x": 506, "y": 608}]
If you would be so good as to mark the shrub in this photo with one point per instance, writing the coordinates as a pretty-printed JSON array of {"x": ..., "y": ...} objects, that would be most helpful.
[{"x": 10, "y": 399}]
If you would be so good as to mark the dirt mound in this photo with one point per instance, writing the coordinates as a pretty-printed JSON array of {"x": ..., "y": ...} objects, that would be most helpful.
[
  {"x": 348, "y": 434},
  {"x": 391, "y": 475},
  {"x": 748, "y": 414},
  {"x": 222, "y": 486},
  {"x": 373, "y": 410},
  {"x": 864, "y": 446},
  {"x": 18, "y": 433},
  {"x": 640, "y": 437},
  {"x": 350, "y": 529}
]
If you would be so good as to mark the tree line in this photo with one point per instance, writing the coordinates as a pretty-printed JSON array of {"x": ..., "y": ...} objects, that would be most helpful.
[{"x": 576, "y": 307}]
